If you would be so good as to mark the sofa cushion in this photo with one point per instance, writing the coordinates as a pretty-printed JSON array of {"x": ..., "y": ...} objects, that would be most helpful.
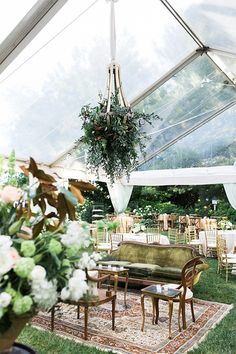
[
  {"x": 141, "y": 270},
  {"x": 168, "y": 272},
  {"x": 151, "y": 267},
  {"x": 115, "y": 263}
]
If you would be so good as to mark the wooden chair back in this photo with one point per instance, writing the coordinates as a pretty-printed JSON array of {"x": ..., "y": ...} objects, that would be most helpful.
[
  {"x": 116, "y": 239},
  {"x": 188, "y": 274},
  {"x": 153, "y": 238}
]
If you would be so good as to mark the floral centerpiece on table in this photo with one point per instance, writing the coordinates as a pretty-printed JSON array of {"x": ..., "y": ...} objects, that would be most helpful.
[
  {"x": 225, "y": 224},
  {"x": 43, "y": 250}
]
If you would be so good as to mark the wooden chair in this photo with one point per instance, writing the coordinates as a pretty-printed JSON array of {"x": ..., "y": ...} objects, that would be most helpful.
[
  {"x": 192, "y": 239},
  {"x": 103, "y": 296},
  {"x": 153, "y": 238},
  {"x": 226, "y": 261},
  {"x": 210, "y": 239},
  {"x": 188, "y": 275},
  {"x": 153, "y": 230},
  {"x": 175, "y": 236},
  {"x": 116, "y": 239}
]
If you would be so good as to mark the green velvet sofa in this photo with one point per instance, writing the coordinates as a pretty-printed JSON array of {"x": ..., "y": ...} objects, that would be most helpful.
[{"x": 153, "y": 262}]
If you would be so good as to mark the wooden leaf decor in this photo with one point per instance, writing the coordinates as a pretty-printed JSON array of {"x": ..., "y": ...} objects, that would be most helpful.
[
  {"x": 77, "y": 193},
  {"x": 37, "y": 228},
  {"x": 83, "y": 186},
  {"x": 42, "y": 204},
  {"x": 25, "y": 170},
  {"x": 65, "y": 207},
  {"x": 40, "y": 174}
]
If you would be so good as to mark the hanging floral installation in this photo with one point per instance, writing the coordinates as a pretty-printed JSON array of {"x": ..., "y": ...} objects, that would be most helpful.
[
  {"x": 113, "y": 138},
  {"x": 113, "y": 134}
]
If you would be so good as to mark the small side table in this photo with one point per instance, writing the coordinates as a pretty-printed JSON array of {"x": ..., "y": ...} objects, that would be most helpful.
[
  {"x": 156, "y": 293},
  {"x": 116, "y": 272},
  {"x": 102, "y": 298}
]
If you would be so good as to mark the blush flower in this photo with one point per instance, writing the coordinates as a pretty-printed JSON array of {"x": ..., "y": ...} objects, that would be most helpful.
[{"x": 10, "y": 194}]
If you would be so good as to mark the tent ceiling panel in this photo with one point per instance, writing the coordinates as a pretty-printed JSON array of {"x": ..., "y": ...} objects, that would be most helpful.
[
  {"x": 147, "y": 37},
  {"x": 226, "y": 62},
  {"x": 212, "y": 21},
  {"x": 214, "y": 144},
  {"x": 41, "y": 99},
  {"x": 64, "y": 67},
  {"x": 11, "y": 12},
  {"x": 189, "y": 98}
]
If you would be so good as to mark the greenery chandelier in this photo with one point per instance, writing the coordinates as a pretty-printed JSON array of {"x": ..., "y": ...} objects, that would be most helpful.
[{"x": 113, "y": 132}]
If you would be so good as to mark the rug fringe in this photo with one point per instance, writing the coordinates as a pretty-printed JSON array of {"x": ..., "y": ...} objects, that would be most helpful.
[{"x": 220, "y": 318}]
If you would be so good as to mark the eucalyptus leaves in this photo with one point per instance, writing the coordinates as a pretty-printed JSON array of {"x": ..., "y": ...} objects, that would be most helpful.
[{"x": 113, "y": 137}]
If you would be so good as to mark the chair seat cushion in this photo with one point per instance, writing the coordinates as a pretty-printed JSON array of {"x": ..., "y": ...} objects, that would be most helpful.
[{"x": 189, "y": 293}]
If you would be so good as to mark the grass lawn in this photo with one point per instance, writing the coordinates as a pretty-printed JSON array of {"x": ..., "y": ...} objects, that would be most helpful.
[{"x": 220, "y": 340}]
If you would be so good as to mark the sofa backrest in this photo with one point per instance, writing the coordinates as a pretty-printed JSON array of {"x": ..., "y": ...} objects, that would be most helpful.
[{"x": 162, "y": 255}]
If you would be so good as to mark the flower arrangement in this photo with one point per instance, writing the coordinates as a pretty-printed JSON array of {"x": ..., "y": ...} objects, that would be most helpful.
[
  {"x": 112, "y": 138},
  {"x": 225, "y": 224},
  {"x": 43, "y": 254}
]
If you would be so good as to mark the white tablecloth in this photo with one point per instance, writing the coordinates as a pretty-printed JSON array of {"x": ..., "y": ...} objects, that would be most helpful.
[{"x": 228, "y": 235}]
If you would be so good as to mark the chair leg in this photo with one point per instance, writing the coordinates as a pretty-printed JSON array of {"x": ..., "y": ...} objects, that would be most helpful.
[
  {"x": 78, "y": 312},
  {"x": 86, "y": 322},
  {"x": 52, "y": 318},
  {"x": 192, "y": 310},
  {"x": 113, "y": 313},
  {"x": 183, "y": 314},
  {"x": 157, "y": 311}
]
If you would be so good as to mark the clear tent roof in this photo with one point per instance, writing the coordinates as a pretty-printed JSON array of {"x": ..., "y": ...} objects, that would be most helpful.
[{"x": 177, "y": 59}]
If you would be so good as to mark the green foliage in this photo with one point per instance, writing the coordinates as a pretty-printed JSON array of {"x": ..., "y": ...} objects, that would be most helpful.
[
  {"x": 183, "y": 200},
  {"x": 12, "y": 180},
  {"x": 112, "y": 138}
]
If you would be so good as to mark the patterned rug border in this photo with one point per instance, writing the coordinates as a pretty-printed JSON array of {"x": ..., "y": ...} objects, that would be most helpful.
[{"x": 200, "y": 335}]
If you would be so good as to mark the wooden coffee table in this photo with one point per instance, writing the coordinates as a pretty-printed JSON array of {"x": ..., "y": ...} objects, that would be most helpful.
[
  {"x": 115, "y": 272},
  {"x": 157, "y": 293}
]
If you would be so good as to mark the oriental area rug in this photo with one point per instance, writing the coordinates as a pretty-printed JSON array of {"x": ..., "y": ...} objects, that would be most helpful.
[{"x": 127, "y": 337}]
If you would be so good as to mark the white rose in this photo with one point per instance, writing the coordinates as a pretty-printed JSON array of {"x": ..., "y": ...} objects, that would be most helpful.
[
  {"x": 65, "y": 294},
  {"x": 5, "y": 299},
  {"x": 38, "y": 273},
  {"x": 6, "y": 263},
  {"x": 5, "y": 242},
  {"x": 80, "y": 274}
]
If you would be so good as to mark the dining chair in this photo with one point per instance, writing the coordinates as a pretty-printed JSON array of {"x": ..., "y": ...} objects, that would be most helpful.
[
  {"x": 188, "y": 275},
  {"x": 153, "y": 238},
  {"x": 192, "y": 239},
  {"x": 116, "y": 239},
  {"x": 176, "y": 236},
  {"x": 210, "y": 239},
  {"x": 226, "y": 261}
]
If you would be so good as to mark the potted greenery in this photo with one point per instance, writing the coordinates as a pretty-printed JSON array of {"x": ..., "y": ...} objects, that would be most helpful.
[{"x": 112, "y": 134}]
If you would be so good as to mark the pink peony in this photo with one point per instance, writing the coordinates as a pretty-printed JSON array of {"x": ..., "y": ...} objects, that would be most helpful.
[{"x": 10, "y": 194}]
